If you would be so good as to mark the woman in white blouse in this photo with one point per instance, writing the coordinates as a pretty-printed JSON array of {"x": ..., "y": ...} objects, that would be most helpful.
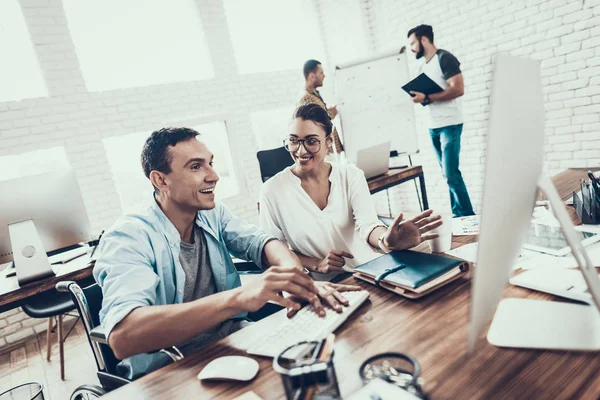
[{"x": 324, "y": 210}]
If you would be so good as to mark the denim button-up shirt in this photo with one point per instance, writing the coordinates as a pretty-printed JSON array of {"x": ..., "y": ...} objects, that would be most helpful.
[{"x": 137, "y": 264}]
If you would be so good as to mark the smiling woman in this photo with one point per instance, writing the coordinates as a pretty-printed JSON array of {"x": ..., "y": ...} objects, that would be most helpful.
[{"x": 344, "y": 230}]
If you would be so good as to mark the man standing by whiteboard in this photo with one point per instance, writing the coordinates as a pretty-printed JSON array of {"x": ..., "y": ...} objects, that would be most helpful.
[
  {"x": 314, "y": 77},
  {"x": 445, "y": 112}
]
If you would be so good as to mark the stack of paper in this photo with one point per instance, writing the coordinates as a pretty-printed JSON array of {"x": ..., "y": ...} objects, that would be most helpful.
[{"x": 462, "y": 226}]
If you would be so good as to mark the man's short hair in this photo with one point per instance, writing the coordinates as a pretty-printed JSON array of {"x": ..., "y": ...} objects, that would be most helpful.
[
  {"x": 310, "y": 66},
  {"x": 156, "y": 155},
  {"x": 422, "y": 30}
]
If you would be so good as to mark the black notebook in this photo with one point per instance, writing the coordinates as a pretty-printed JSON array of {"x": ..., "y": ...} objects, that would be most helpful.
[{"x": 422, "y": 84}]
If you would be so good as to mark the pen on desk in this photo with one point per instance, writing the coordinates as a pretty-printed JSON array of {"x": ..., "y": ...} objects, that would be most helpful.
[{"x": 97, "y": 244}]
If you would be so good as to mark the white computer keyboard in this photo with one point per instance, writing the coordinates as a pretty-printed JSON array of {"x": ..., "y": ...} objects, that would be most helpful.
[
  {"x": 305, "y": 325},
  {"x": 567, "y": 283}
]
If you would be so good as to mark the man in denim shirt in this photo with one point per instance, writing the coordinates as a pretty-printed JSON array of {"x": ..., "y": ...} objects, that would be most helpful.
[{"x": 166, "y": 273}]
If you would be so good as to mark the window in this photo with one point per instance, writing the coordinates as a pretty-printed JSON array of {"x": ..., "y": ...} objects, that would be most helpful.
[
  {"x": 345, "y": 31},
  {"x": 271, "y": 126},
  {"x": 123, "y": 153},
  {"x": 134, "y": 189},
  {"x": 20, "y": 74},
  {"x": 132, "y": 43},
  {"x": 273, "y": 35},
  {"x": 214, "y": 135},
  {"x": 33, "y": 163}
]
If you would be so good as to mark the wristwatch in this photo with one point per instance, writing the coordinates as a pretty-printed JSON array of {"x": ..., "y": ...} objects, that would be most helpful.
[{"x": 382, "y": 245}]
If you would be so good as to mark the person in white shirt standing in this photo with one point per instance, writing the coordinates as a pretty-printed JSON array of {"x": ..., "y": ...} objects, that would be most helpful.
[
  {"x": 323, "y": 210},
  {"x": 445, "y": 112}
]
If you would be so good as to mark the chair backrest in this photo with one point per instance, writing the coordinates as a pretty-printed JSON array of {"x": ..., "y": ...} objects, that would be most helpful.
[
  {"x": 273, "y": 161},
  {"x": 89, "y": 302}
]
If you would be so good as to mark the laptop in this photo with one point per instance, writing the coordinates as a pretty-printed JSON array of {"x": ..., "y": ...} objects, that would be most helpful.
[{"x": 374, "y": 160}]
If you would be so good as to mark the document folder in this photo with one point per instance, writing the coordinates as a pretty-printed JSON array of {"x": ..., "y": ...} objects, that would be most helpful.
[
  {"x": 422, "y": 84},
  {"x": 411, "y": 273}
]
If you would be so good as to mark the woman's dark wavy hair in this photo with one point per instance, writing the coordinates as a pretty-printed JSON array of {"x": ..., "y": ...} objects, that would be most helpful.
[{"x": 317, "y": 114}]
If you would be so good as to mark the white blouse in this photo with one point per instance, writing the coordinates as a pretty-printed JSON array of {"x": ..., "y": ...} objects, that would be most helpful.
[{"x": 288, "y": 213}]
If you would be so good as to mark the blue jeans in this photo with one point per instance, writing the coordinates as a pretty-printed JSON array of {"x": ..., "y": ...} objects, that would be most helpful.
[{"x": 446, "y": 142}]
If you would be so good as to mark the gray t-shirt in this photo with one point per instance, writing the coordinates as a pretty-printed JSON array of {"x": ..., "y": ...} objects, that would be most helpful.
[{"x": 199, "y": 282}]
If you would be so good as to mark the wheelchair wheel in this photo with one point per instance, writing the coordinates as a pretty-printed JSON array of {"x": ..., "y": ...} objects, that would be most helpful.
[{"x": 87, "y": 392}]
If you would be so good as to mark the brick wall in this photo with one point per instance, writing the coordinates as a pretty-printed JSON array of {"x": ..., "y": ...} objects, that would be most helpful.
[{"x": 563, "y": 34}]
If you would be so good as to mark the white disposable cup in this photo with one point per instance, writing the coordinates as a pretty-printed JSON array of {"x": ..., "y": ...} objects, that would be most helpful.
[{"x": 444, "y": 241}]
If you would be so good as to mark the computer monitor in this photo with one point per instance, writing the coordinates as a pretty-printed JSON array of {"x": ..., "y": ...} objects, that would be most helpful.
[
  {"x": 39, "y": 214},
  {"x": 513, "y": 174}
]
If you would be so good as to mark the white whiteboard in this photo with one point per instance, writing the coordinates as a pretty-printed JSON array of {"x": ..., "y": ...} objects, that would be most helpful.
[{"x": 372, "y": 106}]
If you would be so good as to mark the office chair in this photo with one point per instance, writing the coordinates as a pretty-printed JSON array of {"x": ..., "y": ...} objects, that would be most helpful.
[
  {"x": 88, "y": 302},
  {"x": 273, "y": 161},
  {"x": 51, "y": 305}
]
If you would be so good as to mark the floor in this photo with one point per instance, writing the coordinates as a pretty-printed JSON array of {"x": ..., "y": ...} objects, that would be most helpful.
[{"x": 28, "y": 363}]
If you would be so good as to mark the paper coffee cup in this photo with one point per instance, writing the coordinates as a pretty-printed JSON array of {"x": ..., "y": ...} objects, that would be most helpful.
[{"x": 444, "y": 241}]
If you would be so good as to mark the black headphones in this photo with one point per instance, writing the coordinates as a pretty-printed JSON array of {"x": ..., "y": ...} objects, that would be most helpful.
[{"x": 380, "y": 366}]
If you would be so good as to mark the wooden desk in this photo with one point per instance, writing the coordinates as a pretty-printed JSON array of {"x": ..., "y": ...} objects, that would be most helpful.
[
  {"x": 12, "y": 296},
  {"x": 397, "y": 176},
  {"x": 432, "y": 329}
]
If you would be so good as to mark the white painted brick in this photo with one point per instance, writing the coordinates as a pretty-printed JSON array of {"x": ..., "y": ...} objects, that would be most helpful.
[
  {"x": 559, "y": 155},
  {"x": 563, "y": 113},
  {"x": 575, "y": 84},
  {"x": 581, "y": 15},
  {"x": 581, "y": 137},
  {"x": 586, "y": 24},
  {"x": 528, "y": 12},
  {"x": 560, "y": 30},
  {"x": 560, "y": 122},
  {"x": 540, "y": 55},
  {"x": 552, "y": 62},
  {"x": 580, "y": 55},
  {"x": 592, "y": 128},
  {"x": 591, "y": 145},
  {"x": 569, "y": 8},
  {"x": 575, "y": 37},
  {"x": 544, "y": 44},
  {"x": 589, "y": 72},
  {"x": 567, "y": 48},
  {"x": 567, "y": 94},
  {"x": 572, "y": 146},
  {"x": 563, "y": 77},
  {"x": 588, "y": 91},
  {"x": 566, "y": 138},
  {"x": 591, "y": 109},
  {"x": 572, "y": 66},
  {"x": 584, "y": 154},
  {"x": 580, "y": 101},
  {"x": 594, "y": 41},
  {"x": 586, "y": 118},
  {"x": 549, "y": 24},
  {"x": 593, "y": 61},
  {"x": 555, "y": 105}
]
